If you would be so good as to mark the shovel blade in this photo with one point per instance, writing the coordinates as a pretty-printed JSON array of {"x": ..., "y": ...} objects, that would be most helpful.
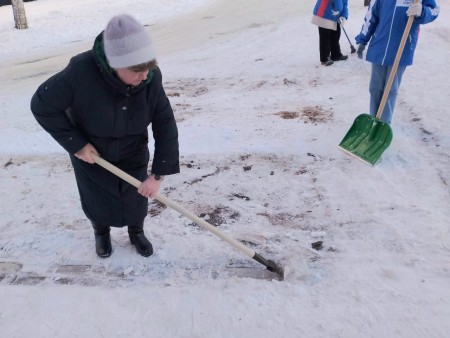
[{"x": 367, "y": 138}]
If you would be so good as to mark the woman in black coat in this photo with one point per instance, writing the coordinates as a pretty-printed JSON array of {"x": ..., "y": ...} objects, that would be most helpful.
[{"x": 103, "y": 103}]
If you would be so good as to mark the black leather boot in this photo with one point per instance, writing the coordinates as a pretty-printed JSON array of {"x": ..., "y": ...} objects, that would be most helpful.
[
  {"x": 138, "y": 239},
  {"x": 102, "y": 240}
]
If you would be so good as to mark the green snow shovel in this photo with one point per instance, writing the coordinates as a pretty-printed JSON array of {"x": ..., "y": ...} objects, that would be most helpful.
[
  {"x": 369, "y": 137},
  {"x": 270, "y": 265}
]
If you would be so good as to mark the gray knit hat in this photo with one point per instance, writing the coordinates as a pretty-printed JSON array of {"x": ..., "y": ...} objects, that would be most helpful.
[{"x": 127, "y": 43}]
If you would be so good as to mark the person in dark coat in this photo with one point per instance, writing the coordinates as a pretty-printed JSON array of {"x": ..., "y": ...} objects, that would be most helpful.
[{"x": 103, "y": 103}]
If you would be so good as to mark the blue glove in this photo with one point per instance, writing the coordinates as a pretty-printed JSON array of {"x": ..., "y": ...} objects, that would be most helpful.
[{"x": 360, "y": 50}]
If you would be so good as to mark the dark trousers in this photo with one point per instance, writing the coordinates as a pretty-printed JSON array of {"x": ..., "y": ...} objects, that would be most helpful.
[
  {"x": 133, "y": 229},
  {"x": 329, "y": 43}
]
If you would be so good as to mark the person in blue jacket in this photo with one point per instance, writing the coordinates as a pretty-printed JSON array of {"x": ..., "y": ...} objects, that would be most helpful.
[
  {"x": 383, "y": 28},
  {"x": 326, "y": 15}
]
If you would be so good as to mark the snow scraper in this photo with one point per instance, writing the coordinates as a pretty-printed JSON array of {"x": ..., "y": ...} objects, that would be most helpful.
[
  {"x": 369, "y": 137},
  {"x": 352, "y": 48},
  {"x": 270, "y": 265}
]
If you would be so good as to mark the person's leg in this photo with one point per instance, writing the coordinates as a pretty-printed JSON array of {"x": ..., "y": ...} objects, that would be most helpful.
[
  {"x": 335, "y": 47},
  {"x": 378, "y": 82},
  {"x": 103, "y": 246},
  {"x": 138, "y": 239},
  {"x": 324, "y": 44},
  {"x": 388, "y": 111},
  {"x": 378, "y": 79}
]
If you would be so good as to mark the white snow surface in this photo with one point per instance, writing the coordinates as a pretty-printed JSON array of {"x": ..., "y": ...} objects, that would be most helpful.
[{"x": 260, "y": 121}]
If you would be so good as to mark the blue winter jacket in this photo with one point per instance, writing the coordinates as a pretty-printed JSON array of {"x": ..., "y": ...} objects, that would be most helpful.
[
  {"x": 384, "y": 25},
  {"x": 327, "y": 12}
]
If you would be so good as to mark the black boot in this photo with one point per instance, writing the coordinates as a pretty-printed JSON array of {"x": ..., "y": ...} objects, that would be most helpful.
[
  {"x": 102, "y": 240},
  {"x": 138, "y": 239}
]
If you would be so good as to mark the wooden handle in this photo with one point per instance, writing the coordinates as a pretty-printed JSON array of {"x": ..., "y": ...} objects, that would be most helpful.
[
  {"x": 171, "y": 204},
  {"x": 395, "y": 66}
]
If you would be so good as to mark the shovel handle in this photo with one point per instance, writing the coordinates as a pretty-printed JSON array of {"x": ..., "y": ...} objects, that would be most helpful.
[
  {"x": 135, "y": 182},
  {"x": 395, "y": 65},
  {"x": 351, "y": 46}
]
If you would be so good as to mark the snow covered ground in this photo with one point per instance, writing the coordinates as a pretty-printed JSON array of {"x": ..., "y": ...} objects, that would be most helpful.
[{"x": 259, "y": 122}]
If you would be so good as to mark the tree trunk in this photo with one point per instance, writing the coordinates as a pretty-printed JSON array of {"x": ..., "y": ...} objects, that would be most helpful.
[{"x": 20, "y": 17}]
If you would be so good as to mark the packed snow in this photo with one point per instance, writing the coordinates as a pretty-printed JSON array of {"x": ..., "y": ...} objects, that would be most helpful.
[{"x": 365, "y": 250}]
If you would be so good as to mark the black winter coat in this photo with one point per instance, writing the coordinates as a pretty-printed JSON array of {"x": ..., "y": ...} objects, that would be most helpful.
[{"x": 86, "y": 103}]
